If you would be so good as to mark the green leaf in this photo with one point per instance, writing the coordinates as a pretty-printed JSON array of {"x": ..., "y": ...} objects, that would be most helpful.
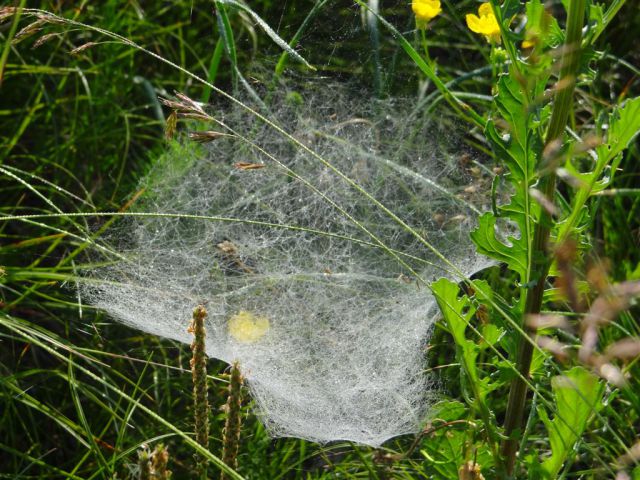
[
  {"x": 444, "y": 452},
  {"x": 448, "y": 410},
  {"x": 457, "y": 312},
  {"x": 624, "y": 125},
  {"x": 491, "y": 334},
  {"x": 228, "y": 40},
  {"x": 510, "y": 8},
  {"x": 578, "y": 394},
  {"x": 517, "y": 149},
  {"x": 490, "y": 243},
  {"x": 213, "y": 70},
  {"x": 542, "y": 25},
  {"x": 597, "y": 22},
  {"x": 447, "y": 449}
]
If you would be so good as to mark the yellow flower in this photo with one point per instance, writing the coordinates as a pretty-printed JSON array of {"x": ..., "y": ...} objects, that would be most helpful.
[
  {"x": 425, "y": 10},
  {"x": 246, "y": 327},
  {"x": 486, "y": 24},
  {"x": 528, "y": 43}
]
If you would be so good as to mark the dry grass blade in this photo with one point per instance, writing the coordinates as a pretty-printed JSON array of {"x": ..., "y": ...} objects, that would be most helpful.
[{"x": 206, "y": 136}]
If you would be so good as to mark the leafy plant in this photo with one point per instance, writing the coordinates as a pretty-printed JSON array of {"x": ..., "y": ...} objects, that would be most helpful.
[{"x": 527, "y": 136}]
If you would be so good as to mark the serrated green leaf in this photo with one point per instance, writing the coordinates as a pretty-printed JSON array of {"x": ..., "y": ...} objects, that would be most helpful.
[
  {"x": 446, "y": 450},
  {"x": 491, "y": 334},
  {"x": 456, "y": 309},
  {"x": 517, "y": 149},
  {"x": 597, "y": 23},
  {"x": 457, "y": 312},
  {"x": 542, "y": 25},
  {"x": 623, "y": 127},
  {"x": 578, "y": 395},
  {"x": 513, "y": 254}
]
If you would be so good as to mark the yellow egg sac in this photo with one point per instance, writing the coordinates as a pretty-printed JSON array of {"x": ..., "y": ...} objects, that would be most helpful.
[{"x": 246, "y": 327}]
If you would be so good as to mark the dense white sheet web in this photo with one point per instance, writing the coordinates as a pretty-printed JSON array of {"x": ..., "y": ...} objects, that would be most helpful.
[{"x": 343, "y": 357}]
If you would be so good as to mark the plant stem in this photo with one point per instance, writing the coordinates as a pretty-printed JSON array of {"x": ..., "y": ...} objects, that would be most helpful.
[
  {"x": 231, "y": 432},
  {"x": 425, "y": 47},
  {"x": 540, "y": 261},
  {"x": 199, "y": 373}
]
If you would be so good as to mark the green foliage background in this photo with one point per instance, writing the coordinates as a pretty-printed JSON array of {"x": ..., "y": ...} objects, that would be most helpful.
[{"x": 80, "y": 395}]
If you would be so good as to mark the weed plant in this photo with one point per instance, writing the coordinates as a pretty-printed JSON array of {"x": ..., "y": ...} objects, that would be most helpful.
[{"x": 531, "y": 217}]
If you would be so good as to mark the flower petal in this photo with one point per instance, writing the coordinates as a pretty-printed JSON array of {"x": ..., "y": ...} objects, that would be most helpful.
[
  {"x": 474, "y": 23},
  {"x": 425, "y": 10},
  {"x": 485, "y": 10}
]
